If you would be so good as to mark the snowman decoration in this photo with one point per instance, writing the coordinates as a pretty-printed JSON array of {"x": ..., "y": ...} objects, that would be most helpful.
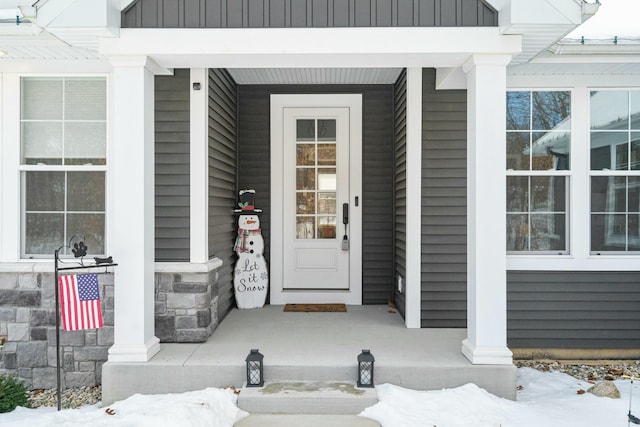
[{"x": 250, "y": 281}]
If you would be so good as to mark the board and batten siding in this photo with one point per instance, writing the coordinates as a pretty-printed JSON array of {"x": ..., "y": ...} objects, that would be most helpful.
[
  {"x": 400, "y": 186},
  {"x": 444, "y": 206},
  {"x": 573, "y": 309},
  {"x": 308, "y": 13},
  {"x": 223, "y": 196},
  {"x": 172, "y": 122},
  {"x": 377, "y": 198}
]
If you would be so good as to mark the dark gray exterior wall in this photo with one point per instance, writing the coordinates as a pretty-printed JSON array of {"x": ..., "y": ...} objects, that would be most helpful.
[
  {"x": 172, "y": 123},
  {"x": 308, "y": 13},
  {"x": 377, "y": 207},
  {"x": 223, "y": 129},
  {"x": 573, "y": 309},
  {"x": 400, "y": 185},
  {"x": 444, "y": 205}
]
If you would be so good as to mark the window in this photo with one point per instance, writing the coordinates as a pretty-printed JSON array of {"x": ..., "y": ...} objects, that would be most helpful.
[
  {"x": 63, "y": 162},
  {"x": 538, "y": 165},
  {"x": 614, "y": 124}
]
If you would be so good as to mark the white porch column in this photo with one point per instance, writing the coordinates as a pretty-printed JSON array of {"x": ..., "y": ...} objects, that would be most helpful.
[
  {"x": 131, "y": 197},
  {"x": 199, "y": 166},
  {"x": 486, "y": 341},
  {"x": 414, "y": 197}
]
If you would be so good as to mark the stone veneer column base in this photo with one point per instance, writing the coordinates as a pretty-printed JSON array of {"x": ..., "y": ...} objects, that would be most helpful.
[{"x": 186, "y": 301}]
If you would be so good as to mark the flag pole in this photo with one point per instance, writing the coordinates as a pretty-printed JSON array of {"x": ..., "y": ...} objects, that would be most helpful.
[
  {"x": 79, "y": 251},
  {"x": 57, "y": 292}
]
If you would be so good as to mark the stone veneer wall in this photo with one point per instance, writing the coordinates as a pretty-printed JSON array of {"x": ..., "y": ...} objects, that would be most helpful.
[
  {"x": 186, "y": 311},
  {"x": 28, "y": 319},
  {"x": 186, "y": 306}
]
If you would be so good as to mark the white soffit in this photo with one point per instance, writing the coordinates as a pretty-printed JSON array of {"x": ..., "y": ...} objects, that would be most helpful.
[{"x": 297, "y": 76}]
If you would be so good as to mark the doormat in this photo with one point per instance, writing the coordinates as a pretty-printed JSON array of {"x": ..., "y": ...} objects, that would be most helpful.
[{"x": 316, "y": 308}]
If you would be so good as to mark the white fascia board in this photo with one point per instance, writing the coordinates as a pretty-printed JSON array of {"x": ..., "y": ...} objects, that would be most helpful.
[
  {"x": 519, "y": 13},
  {"x": 55, "y": 66},
  {"x": 310, "y": 47}
]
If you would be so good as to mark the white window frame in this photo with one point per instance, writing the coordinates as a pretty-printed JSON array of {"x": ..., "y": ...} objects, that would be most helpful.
[
  {"x": 579, "y": 257},
  {"x": 547, "y": 173},
  {"x": 11, "y": 167}
]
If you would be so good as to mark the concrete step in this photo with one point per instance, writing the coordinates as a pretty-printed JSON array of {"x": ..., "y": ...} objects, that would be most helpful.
[
  {"x": 330, "y": 397},
  {"x": 308, "y": 420}
]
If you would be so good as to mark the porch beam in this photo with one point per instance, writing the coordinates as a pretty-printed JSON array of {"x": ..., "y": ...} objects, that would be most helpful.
[
  {"x": 414, "y": 197},
  {"x": 131, "y": 192},
  {"x": 310, "y": 47},
  {"x": 486, "y": 341}
]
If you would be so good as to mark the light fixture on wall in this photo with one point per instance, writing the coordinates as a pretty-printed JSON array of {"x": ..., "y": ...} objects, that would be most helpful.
[
  {"x": 365, "y": 369},
  {"x": 255, "y": 369}
]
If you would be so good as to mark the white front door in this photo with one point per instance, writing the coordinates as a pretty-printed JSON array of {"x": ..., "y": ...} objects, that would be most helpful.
[{"x": 316, "y": 187}]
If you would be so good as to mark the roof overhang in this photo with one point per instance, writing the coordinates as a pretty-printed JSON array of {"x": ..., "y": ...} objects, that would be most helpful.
[{"x": 311, "y": 47}]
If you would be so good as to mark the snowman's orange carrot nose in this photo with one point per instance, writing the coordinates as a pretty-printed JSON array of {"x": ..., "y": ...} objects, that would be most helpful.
[{"x": 251, "y": 221}]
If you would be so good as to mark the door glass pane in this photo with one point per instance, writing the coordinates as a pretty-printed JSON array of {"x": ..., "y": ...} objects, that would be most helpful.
[
  {"x": 326, "y": 227},
  {"x": 305, "y": 130},
  {"x": 305, "y": 202},
  {"x": 316, "y": 180},
  {"x": 305, "y": 179},
  {"x": 327, "y": 179},
  {"x": 327, "y": 203},
  {"x": 305, "y": 155},
  {"x": 327, "y": 154},
  {"x": 305, "y": 227},
  {"x": 326, "y": 130}
]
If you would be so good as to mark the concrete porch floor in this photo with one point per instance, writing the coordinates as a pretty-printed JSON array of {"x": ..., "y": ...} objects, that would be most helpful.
[{"x": 310, "y": 347}]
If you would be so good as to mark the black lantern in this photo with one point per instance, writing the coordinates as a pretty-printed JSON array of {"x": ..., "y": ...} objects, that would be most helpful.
[
  {"x": 255, "y": 371},
  {"x": 365, "y": 369}
]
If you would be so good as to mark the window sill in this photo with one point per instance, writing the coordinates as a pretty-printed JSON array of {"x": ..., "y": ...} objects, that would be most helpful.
[{"x": 574, "y": 263}]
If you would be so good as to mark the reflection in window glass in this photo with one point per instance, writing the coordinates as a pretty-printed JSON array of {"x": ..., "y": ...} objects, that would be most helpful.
[
  {"x": 538, "y": 130},
  {"x": 615, "y": 153},
  {"x": 536, "y": 213},
  {"x": 615, "y": 206},
  {"x": 538, "y": 139}
]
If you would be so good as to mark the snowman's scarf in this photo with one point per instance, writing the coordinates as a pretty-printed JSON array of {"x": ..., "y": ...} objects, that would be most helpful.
[{"x": 241, "y": 244}]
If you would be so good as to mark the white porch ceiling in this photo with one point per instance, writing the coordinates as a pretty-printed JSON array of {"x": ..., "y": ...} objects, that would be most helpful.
[{"x": 315, "y": 75}]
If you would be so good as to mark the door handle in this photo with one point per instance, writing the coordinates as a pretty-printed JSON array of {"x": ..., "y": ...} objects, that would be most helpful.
[
  {"x": 345, "y": 221},
  {"x": 345, "y": 213}
]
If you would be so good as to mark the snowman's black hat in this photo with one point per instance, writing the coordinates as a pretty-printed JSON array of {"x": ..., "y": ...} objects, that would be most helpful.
[{"x": 246, "y": 203}]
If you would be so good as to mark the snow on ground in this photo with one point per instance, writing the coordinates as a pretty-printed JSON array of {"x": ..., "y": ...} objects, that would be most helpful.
[
  {"x": 208, "y": 407},
  {"x": 548, "y": 399}
]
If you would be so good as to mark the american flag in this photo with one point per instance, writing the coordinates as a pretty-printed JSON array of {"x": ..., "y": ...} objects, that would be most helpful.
[{"x": 80, "y": 300}]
